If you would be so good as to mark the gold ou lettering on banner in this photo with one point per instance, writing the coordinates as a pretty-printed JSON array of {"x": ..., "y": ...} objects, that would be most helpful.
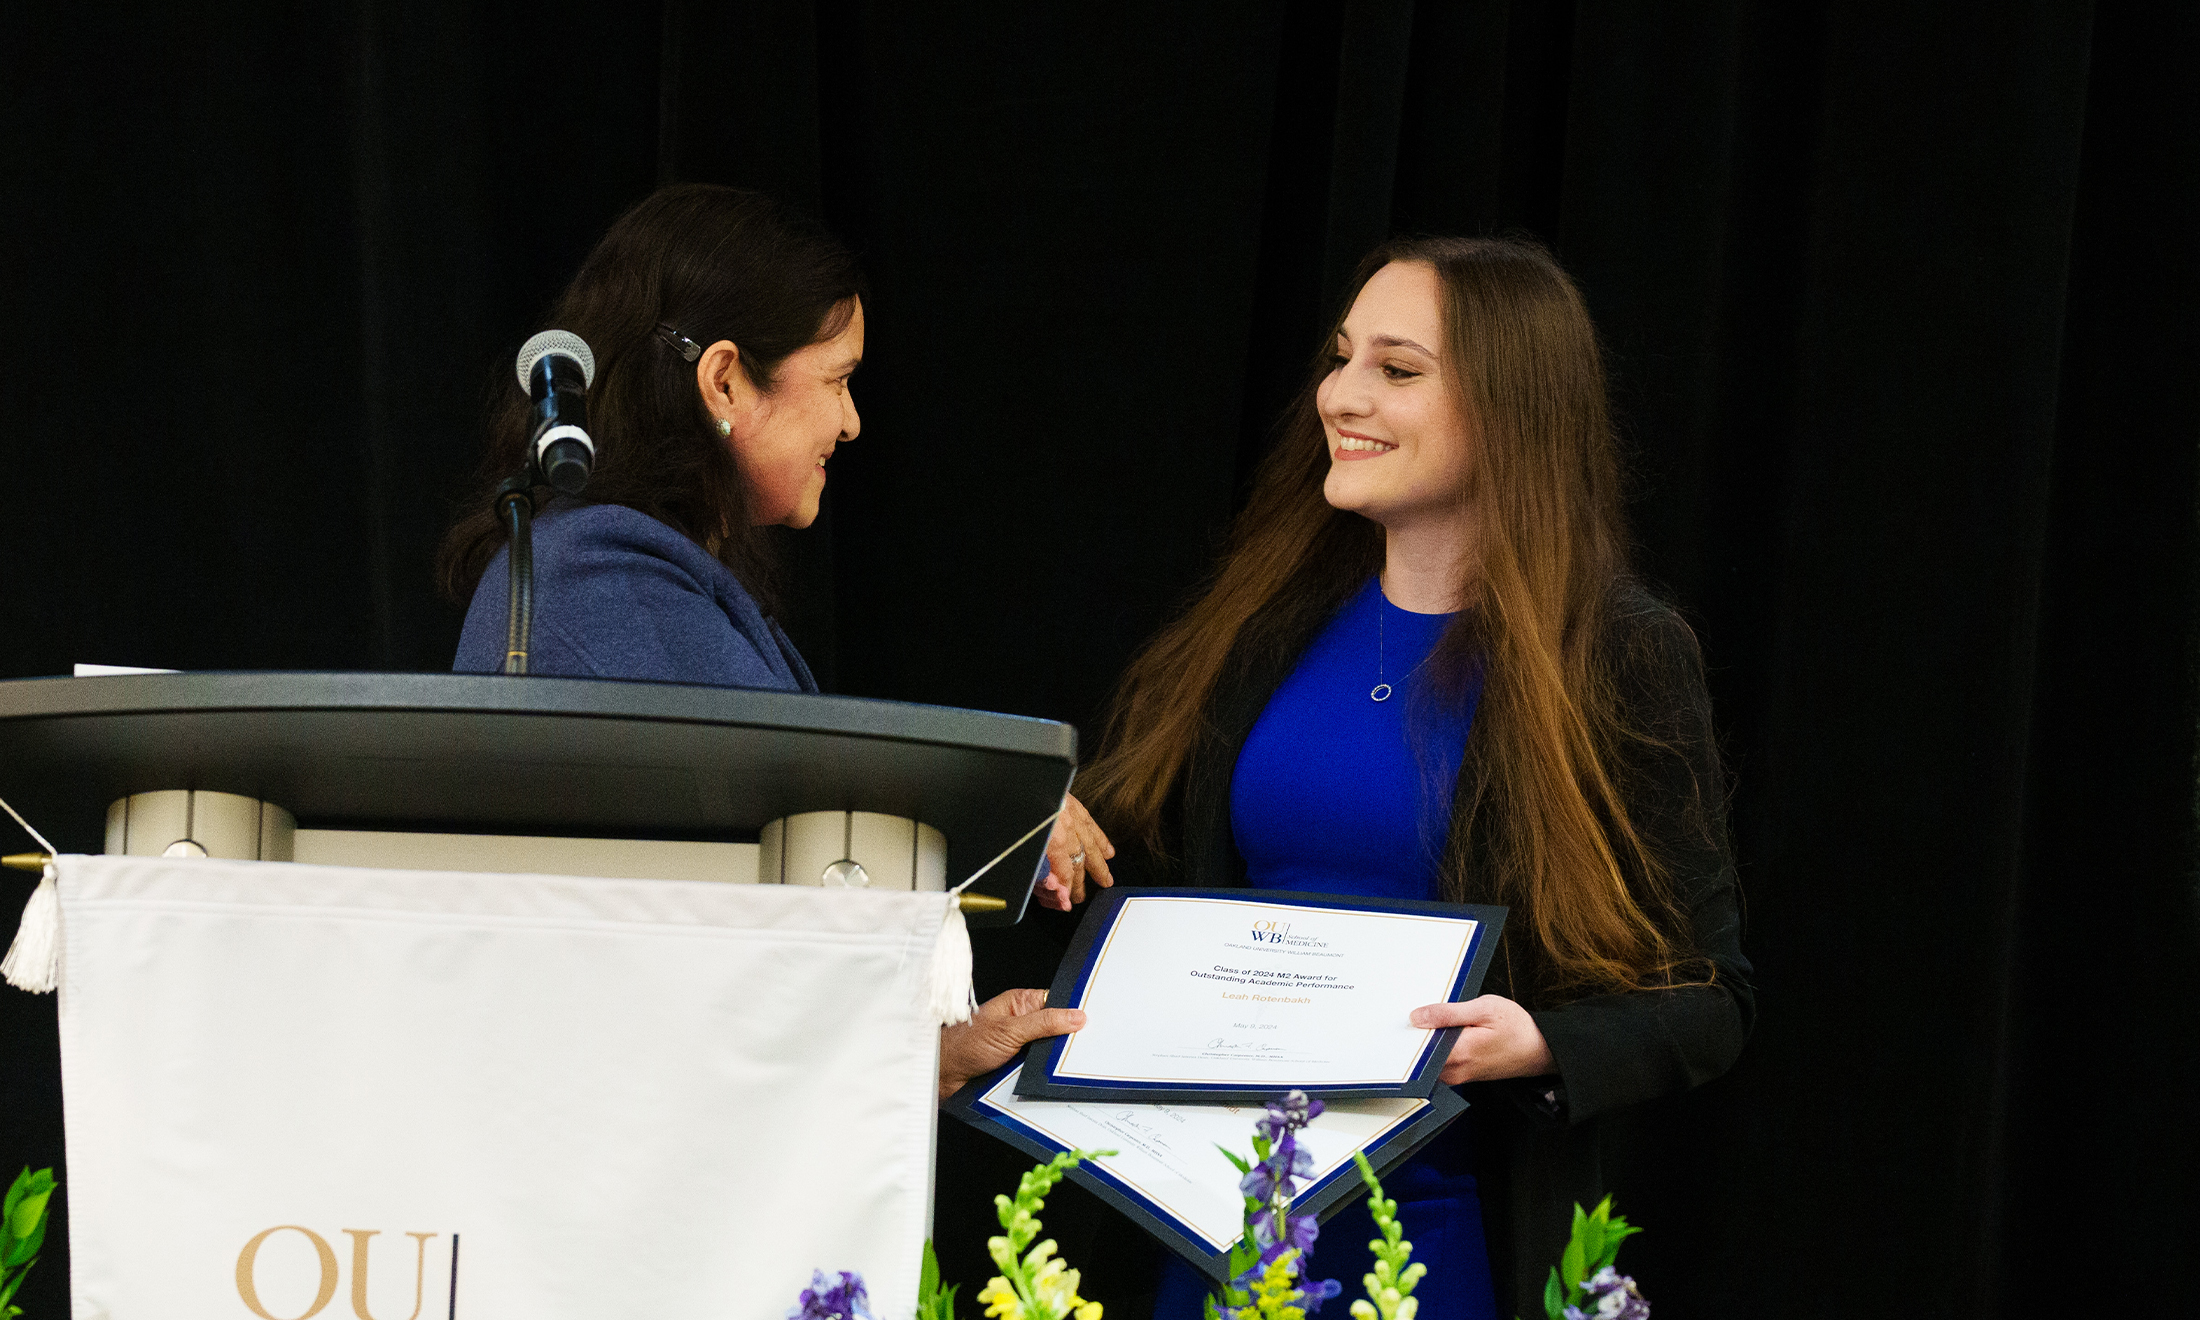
[
  {"x": 359, "y": 1238},
  {"x": 250, "y": 1257}
]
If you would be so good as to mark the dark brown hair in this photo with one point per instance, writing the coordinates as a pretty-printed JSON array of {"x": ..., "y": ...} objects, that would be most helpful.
[
  {"x": 1539, "y": 794},
  {"x": 715, "y": 263}
]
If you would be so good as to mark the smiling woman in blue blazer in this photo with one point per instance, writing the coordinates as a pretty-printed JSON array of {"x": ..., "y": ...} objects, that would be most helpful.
[{"x": 726, "y": 329}]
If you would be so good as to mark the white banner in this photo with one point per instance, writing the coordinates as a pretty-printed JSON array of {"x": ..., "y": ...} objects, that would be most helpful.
[{"x": 301, "y": 1091}]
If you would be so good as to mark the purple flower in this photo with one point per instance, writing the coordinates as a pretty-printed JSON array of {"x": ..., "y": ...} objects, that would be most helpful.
[
  {"x": 1288, "y": 1113},
  {"x": 1299, "y": 1231},
  {"x": 1617, "y": 1298},
  {"x": 1316, "y": 1291},
  {"x": 1271, "y": 1184},
  {"x": 1261, "y": 1181},
  {"x": 1299, "y": 1234},
  {"x": 844, "y": 1299}
]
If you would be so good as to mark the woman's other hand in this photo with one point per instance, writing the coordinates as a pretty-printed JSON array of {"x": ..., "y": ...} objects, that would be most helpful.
[
  {"x": 1002, "y": 1026},
  {"x": 1075, "y": 850},
  {"x": 1501, "y": 1040}
]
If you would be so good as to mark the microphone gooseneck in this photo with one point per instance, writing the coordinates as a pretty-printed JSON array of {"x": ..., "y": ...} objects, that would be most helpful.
[{"x": 516, "y": 511}]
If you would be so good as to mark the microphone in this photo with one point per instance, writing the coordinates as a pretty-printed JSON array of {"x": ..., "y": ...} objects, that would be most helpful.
[{"x": 556, "y": 368}]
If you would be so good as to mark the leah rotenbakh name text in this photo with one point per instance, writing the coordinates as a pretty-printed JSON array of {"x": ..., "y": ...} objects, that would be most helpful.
[{"x": 1274, "y": 980}]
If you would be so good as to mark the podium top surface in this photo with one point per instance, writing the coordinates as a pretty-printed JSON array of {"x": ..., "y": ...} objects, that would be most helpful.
[{"x": 490, "y": 753}]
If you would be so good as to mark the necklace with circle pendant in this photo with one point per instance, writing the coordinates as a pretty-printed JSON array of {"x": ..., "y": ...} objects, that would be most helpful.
[{"x": 1381, "y": 690}]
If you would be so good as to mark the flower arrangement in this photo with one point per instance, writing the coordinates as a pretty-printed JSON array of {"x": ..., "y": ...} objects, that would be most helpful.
[
  {"x": 1268, "y": 1265},
  {"x": 1034, "y": 1283},
  {"x": 22, "y": 1233},
  {"x": 1268, "y": 1278},
  {"x": 1584, "y": 1285}
]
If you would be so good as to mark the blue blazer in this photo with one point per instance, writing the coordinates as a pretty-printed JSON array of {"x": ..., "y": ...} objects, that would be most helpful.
[{"x": 620, "y": 595}]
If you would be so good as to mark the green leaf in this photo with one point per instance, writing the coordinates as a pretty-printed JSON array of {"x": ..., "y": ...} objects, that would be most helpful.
[
  {"x": 1243, "y": 1165},
  {"x": 928, "y": 1282},
  {"x": 27, "y": 1187},
  {"x": 1569, "y": 1269},
  {"x": 29, "y": 1214},
  {"x": 1554, "y": 1298},
  {"x": 1620, "y": 1233},
  {"x": 1242, "y": 1253},
  {"x": 22, "y": 1251}
]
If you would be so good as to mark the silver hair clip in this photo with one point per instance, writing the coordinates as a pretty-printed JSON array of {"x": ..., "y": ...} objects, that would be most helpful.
[{"x": 680, "y": 343}]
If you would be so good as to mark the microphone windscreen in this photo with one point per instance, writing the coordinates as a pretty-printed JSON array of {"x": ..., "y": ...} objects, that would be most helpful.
[{"x": 564, "y": 343}]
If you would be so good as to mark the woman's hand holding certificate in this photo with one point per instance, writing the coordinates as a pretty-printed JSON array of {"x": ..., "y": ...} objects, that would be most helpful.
[
  {"x": 1211, "y": 993},
  {"x": 1497, "y": 1039}
]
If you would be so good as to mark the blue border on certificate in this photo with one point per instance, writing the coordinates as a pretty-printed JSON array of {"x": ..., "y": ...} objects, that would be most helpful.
[
  {"x": 1331, "y": 1193},
  {"x": 1042, "y": 1080}
]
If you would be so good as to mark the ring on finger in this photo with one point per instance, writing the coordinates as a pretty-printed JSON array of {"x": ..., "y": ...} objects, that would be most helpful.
[{"x": 1077, "y": 858}]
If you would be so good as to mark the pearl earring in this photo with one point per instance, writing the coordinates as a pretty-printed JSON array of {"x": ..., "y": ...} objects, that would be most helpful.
[{"x": 725, "y": 427}]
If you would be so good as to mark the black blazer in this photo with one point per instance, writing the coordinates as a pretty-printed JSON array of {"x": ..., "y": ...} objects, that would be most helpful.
[{"x": 1537, "y": 1138}]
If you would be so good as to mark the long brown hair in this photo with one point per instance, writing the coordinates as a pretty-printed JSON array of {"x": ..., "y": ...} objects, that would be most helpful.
[
  {"x": 714, "y": 263},
  {"x": 1542, "y": 820}
]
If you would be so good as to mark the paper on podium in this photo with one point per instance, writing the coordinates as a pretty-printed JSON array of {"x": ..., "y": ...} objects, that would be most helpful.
[{"x": 599, "y": 1097}]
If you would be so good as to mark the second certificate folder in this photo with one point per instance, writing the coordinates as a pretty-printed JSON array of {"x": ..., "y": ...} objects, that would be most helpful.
[{"x": 1230, "y": 995}]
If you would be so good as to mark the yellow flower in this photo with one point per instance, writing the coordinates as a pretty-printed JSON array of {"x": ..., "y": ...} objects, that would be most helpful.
[
  {"x": 1055, "y": 1289},
  {"x": 1000, "y": 1300},
  {"x": 1274, "y": 1291}
]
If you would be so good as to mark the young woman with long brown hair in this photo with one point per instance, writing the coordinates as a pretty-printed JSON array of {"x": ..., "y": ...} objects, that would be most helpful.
[{"x": 1423, "y": 669}]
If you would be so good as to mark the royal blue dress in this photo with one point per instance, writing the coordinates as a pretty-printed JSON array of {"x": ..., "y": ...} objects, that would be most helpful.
[{"x": 1337, "y": 793}]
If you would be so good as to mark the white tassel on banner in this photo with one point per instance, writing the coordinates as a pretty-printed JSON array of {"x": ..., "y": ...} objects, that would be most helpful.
[
  {"x": 954, "y": 999},
  {"x": 34, "y": 960}
]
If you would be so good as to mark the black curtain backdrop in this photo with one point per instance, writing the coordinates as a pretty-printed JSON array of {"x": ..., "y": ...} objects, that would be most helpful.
[{"x": 1901, "y": 303}]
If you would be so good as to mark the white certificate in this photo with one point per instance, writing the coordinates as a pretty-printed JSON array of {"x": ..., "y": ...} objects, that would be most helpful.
[
  {"x": 1189, "y": 992},
  {"x": 1166, "y": 1156}
]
